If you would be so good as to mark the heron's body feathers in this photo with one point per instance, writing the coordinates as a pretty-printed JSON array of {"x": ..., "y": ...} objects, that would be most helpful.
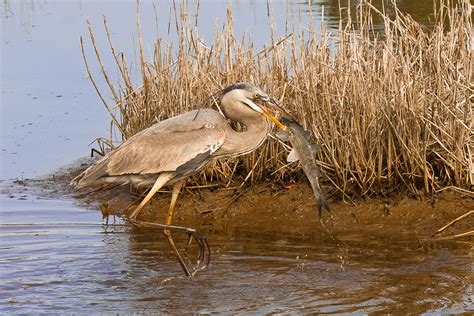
[
  {"x": 166, "y": 149},
  {"x": 180, "y": 146},
  {"x": 183, "y": 143}
]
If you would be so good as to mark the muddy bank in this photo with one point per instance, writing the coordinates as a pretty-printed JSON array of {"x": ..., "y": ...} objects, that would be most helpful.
[{"x": 265, "y": 208}]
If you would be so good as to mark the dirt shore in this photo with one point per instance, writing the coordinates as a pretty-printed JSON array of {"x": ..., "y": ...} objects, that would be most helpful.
[{"x": 267, "y": 208}]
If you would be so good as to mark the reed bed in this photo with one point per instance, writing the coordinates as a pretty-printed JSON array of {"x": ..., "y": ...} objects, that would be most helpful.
[{"x": 392, "y": 113}]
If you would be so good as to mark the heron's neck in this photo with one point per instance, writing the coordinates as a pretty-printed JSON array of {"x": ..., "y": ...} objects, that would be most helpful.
[{"x": 241, "y": 143}]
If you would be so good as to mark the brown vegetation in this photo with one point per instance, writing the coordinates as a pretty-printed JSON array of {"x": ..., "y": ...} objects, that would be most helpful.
[{"x": 391, "y": 115}]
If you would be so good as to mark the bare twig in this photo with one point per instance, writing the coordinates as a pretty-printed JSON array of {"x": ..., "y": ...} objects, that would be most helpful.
[{"x": 452, "y": 222}]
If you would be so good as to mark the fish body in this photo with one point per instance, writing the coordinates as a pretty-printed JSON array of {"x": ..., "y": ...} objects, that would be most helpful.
[{"x": 304, "y": 152}]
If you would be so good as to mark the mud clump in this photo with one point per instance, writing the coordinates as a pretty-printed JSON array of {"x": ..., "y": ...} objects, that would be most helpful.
[{"x": 264, "y": 208}]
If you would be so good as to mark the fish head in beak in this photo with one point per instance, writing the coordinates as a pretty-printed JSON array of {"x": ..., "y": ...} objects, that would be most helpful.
[
  {"x": 266, "y": 111},
  {"x": 282, "y": 115}
]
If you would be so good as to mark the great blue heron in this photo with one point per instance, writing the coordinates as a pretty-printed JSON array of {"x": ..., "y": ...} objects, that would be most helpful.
[{"x": 174, "y": 149}]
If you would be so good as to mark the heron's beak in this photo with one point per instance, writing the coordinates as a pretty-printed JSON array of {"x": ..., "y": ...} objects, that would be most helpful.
[
  {"x": 273, "y": 119},
  {"x": 268, "y": 115},
  {"x": 279, "y": 108}
]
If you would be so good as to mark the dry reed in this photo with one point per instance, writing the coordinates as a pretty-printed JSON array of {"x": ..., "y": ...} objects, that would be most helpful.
[{"x": 392, "y": 115}]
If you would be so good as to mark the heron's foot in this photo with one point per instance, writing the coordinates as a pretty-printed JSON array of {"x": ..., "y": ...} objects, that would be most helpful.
[{"x": 204, "y": 255}]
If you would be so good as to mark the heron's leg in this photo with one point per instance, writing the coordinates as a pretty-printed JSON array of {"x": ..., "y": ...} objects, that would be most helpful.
[
  {"x": 204, "y": 250},
  {"x": 160, "y": 182},
  {"x": 204, "y": 255},
  {"x": 174, "y": 197}
]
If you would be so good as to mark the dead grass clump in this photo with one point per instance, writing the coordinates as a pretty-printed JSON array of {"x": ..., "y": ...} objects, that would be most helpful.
[{"x": 391, "y": 115}]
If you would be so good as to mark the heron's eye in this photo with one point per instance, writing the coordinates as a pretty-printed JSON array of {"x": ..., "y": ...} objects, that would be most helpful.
[{"x": 256, "y": 96}]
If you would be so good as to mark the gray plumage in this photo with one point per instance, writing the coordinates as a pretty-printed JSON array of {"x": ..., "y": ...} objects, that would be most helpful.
[{"x": 183, "y": 145}]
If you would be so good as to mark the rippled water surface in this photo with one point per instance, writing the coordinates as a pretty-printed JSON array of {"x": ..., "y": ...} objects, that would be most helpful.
[{"x": 58, "y": 257}]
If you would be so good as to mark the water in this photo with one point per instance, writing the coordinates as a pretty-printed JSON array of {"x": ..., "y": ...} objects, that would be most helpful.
[{"x": 57, "y": 256}]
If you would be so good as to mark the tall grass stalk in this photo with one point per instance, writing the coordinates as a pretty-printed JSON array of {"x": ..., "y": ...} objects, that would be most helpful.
[{"x": 391, "y": 115}]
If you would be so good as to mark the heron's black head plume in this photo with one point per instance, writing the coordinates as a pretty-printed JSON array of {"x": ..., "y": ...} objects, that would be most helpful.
[{"x": 241, "y": 85}]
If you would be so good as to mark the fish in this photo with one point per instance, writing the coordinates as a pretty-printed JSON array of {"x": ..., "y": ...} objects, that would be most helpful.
[{"x": 305, "y": 153}]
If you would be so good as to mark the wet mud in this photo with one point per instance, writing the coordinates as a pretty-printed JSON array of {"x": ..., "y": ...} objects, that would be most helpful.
[{"x": 270, "y": 252}]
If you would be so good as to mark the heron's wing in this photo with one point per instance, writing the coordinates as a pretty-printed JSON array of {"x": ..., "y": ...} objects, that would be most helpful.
[
  {"x": 179, "y": 144},
  {"x": 166, "y": 150}
]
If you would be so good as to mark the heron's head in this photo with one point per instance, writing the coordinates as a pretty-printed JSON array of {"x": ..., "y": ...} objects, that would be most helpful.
[{"x": 247, "y": 99}]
